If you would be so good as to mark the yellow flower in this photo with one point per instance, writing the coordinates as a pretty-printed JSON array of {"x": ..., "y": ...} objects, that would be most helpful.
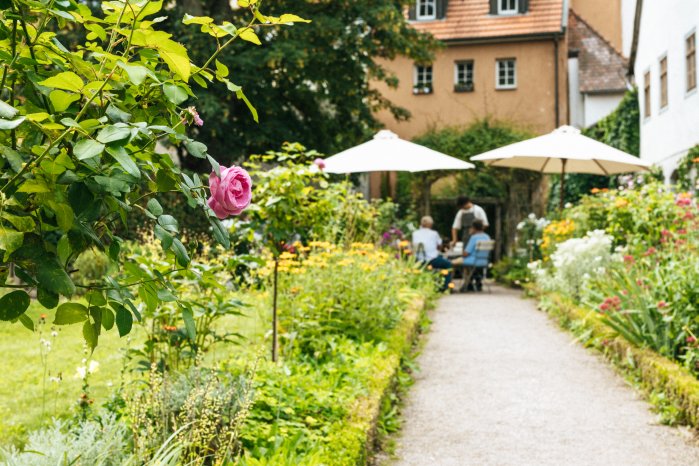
[{"x": 621, "y": 202}]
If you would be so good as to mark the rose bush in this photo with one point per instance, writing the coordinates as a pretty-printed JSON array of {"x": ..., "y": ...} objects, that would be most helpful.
[{"x": 80, "y": 125}]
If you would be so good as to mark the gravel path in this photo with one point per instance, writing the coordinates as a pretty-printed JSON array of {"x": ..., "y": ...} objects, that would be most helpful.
[{"x": 502, "y": 385}]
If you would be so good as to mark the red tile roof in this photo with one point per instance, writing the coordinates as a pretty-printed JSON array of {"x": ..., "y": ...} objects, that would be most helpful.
[
  {"x": 470, "y": 19},
  {"x": 601, "y": 67}
]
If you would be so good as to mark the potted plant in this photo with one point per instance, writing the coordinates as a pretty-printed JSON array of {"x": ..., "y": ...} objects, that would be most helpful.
[
  {"x": 465, "y": 86},
  {"x": 422, "y": 88}
]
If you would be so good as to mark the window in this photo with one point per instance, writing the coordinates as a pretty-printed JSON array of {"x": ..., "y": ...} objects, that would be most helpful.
[
  {"x": 663, "y": 82},
  {"x": 505, "y": 74},
  {"x": 508, "y": 7},
  {"x": 426, "y": 9},
  {"x": 691, "y": 61},
  {"x": 422, "y": 79},
  {"x": 463, "y": 76},
  {"x": 646, "y": 94}
]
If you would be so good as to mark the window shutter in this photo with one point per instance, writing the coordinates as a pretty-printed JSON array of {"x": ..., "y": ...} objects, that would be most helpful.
[
  {"x": 412, "y": 12},
  {"x": 442, "y": 8},
  {"x": 493, "y": 7},
  {"x": 523, "y": 6}
]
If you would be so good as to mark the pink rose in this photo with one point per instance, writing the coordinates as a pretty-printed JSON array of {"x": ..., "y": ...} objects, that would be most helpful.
[
  {"x": 230, "y": 194},
  {"x": 320, "y": 163}
]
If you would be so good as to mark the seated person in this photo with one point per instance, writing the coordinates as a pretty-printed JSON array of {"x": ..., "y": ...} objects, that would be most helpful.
[
  {"x": 470, "y": 257},
  {"x": 426, "y": 243}
]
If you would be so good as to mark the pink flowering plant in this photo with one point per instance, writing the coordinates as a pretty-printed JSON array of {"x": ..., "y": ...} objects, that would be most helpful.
[
  {"x": 78, "y": 131},
  {"x": 650, "y": 293}
]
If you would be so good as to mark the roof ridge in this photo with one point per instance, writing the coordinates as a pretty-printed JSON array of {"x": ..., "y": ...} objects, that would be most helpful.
[{"x": 598, "y": 34}]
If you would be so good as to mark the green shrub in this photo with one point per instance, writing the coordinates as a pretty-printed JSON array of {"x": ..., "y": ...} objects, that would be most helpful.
[{"x": 90, "y": 267}]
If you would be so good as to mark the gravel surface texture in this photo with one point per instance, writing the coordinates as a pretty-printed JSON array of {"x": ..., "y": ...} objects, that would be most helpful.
[{"x": 500, "y": 384}]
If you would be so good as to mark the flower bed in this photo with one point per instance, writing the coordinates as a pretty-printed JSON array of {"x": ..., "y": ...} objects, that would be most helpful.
[{"x": 631, "y": 259}]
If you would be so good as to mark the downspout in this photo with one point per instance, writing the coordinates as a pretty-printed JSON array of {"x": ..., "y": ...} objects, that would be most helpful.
[{"x": 556, "y": 79}]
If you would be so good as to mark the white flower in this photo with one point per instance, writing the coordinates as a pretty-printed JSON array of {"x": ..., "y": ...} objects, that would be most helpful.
[
  {"x": 520, "y": 225},
  {"x": 568, "y": 205},
  {"x": 54, "y": 334},
  {"x": 94, "y": 365},
  {"x": 531, "y": 216},
  {"x": 81, "y": 371}
]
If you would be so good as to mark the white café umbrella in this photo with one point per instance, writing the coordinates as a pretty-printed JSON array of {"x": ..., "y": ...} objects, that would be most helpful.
[
  {"x": 386, "y": 152},
  {"x": 564, "y": 150}
]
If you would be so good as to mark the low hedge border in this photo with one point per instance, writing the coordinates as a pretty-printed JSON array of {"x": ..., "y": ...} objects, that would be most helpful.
[
  {"x": 656, "y": 373},
  {"x": 353, "y": 440}
]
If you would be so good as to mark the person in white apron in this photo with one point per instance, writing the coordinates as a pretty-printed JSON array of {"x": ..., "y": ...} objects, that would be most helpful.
[{"x": 467, "y": 214}]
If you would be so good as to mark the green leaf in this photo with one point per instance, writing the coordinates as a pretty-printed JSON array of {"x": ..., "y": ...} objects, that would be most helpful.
[
  {"x": 13, "y": 305},
  {"x": 63, "y": 249},
  {"x": 154, "y": 207},
  {"x": 137, "y": 73},
  {"x": 27, "y": 322},
  {"x": 117, "y": 115},
  {"x": 61, "y": 100},
  {"x": 176, "y": 58},
  {"x": 70, "y": 313},
  {"x": 66, "y": 80},
  {"x": 11, "y": 124},
  {"x": 180, "y": 252},
  {"x": 220, "y": 232},
  {"x": 174, "y": 93},
  {"x": 289, "y": 18},
  {"x": 21, "y": 223},
  {"x": 64, "y": 215},
  {"x": 107, "y": 318},
  {"x": 249, "y": 35},
  {"x": 126, "y": 162},
  {"x": 46, "y": 298},
  {"x": 195, "y": 148},
  {"x": 113, "y": 133},
  {"x": 88, "y": 148},
  {"x": 112, "y": 185},
  {"x": 168, "y": 222},
  {"x": 221, "y": 69},
  {"x": 189, "y": 324},
  {"x": 164, "y": 237},
  {"x": 252, "y": 109},
  {"x": 189, "y": 19},
  {"x": 7, "y": 111},
  {"x": 124, "y": 320},
  {"x": 95, "y": 298},
  {"x": 10, "y": 241},
  {"x": 52, "y": 277},
  {"x": 90, "y": 334}
]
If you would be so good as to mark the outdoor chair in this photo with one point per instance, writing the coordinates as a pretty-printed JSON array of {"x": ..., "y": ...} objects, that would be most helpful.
[{"x": 482, "y": 261}]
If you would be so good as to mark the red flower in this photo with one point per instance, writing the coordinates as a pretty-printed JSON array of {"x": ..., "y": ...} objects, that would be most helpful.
[
  {"x": 604, "y": 307},
  {"x": 691, "y": 339},
  {"x": 682, "y": 231},
  {"x": 624, "y": 292},
  {"x": 629, "y": 259},
  {"x": 651, "y": 250},
  {"x": 661, "y": 304}
]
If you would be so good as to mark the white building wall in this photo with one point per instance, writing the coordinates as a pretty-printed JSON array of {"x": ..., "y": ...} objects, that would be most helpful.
[
  {"x": 598, "y": 106},
  {"x": 667, "y": 134},
  {"x": 575, "y": 99},
  {"x": 628, "y": 13}
]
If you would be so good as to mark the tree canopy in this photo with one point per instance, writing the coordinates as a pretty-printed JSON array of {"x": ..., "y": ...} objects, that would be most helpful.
[{"x": 310, "y": 84}]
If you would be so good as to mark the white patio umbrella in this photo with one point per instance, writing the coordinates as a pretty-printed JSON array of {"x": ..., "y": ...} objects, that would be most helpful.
[
  {"x": 386, "y": 152},
  {"x": 564, "y": 150}
]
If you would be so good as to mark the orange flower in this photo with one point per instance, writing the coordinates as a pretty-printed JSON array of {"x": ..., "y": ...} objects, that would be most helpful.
[{"x": 594, "y": 190}]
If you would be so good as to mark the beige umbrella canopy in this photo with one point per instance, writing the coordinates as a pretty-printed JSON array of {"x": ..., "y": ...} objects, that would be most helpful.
[
  {"x": 564, "y": 150},
  {"x": 387, "y": 152}
]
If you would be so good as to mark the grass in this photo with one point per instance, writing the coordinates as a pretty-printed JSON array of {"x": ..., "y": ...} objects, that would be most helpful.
[{"x": 30, "y": 399}]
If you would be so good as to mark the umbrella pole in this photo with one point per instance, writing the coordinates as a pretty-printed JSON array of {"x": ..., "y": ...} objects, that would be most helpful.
[{"x": 563, "y": 183}]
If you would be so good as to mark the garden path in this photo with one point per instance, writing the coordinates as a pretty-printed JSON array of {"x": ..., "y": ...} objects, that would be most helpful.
[{"x": 500, "y": 384}]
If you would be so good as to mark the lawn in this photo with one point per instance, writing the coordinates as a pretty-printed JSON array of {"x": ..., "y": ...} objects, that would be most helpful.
[{"x": 31, "y": 394}]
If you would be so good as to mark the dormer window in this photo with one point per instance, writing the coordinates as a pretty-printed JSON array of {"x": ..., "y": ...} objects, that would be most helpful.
[
  {"x": 426, "y": 10},
  {"x": 508, "y": 7}
]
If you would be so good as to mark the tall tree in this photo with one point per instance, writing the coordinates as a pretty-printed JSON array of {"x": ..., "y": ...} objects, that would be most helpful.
[{"x": 317, "y": 76}]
